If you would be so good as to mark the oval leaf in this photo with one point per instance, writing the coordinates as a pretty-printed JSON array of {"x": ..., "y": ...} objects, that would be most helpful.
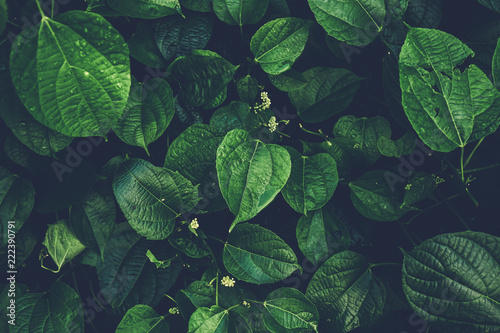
[
  {"x": 452, "y": 281},
  {"x": 78, "y": 87},
  {"x": 240, "y": 12},
  {"x": 151, "y": 198},
  {"x": 142, "y": 319},
  {"x": 202, "y": 76},
  {"x": 329, "y": 91},
  {"x": 312, "y": 181},
  {"x": 209, "y": 320},
  {"x": 248, "y": 89},
  {"x": 277, "y": 44},
  {"x": 147, "y": 114},
  {"x": 145, "y": 9},
  {"x": 355, "y": 22},
  {"x": 345, "y": 291},
  {"x": 257, "y": 255},
  {"x": 251, "y": 173}
]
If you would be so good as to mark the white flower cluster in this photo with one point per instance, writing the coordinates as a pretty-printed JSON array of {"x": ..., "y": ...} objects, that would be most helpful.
[
  {"x": 266, "y": 102},
  {"x": 227, "y": 281},
  {"x": 194, "y": 224},
  {"x": 273, "y": 125}
]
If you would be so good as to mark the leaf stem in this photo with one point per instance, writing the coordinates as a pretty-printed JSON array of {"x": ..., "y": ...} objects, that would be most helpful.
[
  {"x": 431, "y": 207},
  {"x": 385, "y": 264},
  {"x": 403, "y": 227},
  {"x": 52, "y": 10},
  {"x": 473, "y": 151},
  {"x": 320, "y": 133},
  {"x": 462, "y": 149},
  {"x": 40, "y": 9},
  {"x": 217, "y": 289},
  {"x": 483, "y": 168},
  {"x": 454, "y": 211}
]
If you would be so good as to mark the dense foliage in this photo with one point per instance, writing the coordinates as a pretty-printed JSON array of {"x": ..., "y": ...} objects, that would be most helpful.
[{"x": 277, "y": 166}]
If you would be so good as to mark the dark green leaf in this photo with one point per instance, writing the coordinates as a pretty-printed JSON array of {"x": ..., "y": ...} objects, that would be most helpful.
[
  {"x": 376, "y": 197},
  {"x": 189, "y": 244},
  {"x": 278, "y": 44},
  {"x": 202, "y": 76},
  {"x": 354, "y": 22},
  {"x": 239, "y": 115},
  {"x": 198, "y": 5},
  {"x": 196, "y": 295},
  {"x": 78, "y": 87},
  {"x": 333, "y": 149},
  {"x": 143, "y": 46},
  {"x": 452, "y": 281},
  {"x": 57, "y": 310},
  {"x": 288, "y": 81},
  {"x": 176, "y": 36},
  {"x": 424, "y": 13},
  {"x": 209, "y": 320},
  {"x": 292, "y": 310},
  {"x": 329, "y": 91},
  {"x": 248, "y": 89},
  {"x": 193, "y": 155},
  {"x": 358, "y": 137},
  {"x": 151, "y": 198},
  {"x": 491, "y": 4},
  {"x": 93, "y": 218},
  {"x": 257, "y": 255},
  {"x": 146, "y": 9},
  {"x": 318, "y": 235},
  {"x": 312, "y": 181},
  {"x": 148, "y": 112},
  {"x": 240, "y": 12},
  {"x": 61, "y": 243},
  {"x": 17, "y": 197},
  {"x": 496, "y": 65},
  {"x": 446, "y": 106},
  {"x": 419, "y": 187},
  {"x": 142, "y": 319},
  {"x": 251, "y": 173},
  {"x": 4, "y": 16},
  {"x": 402, "y": 146},
  {"x": 345, "y": 291}
]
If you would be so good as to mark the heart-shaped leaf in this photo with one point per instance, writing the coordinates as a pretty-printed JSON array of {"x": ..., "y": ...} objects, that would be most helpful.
[
  {"x": 151, "y": 198},
  {"x": 277, "y": 44},
  {"x": 148, "y": 112},
  {"x": 142, "y": 319},
  {"x": 452, "y": 281},
  {"x": 251, "y": 173},
  {"x": 145, "y": 9},
  {"x": 240, "y": 12},
  {"x": 78, "y": 87},
  {"x": 257, "y": 255},
  {"x": 312, "y": 182},
  {"x": 345, "y": 291},
  {"x": 248, "y": 89},
  {"x": 209, "y": 320}
]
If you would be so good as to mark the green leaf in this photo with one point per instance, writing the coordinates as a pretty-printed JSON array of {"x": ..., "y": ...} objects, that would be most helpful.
[
  {"x": 345, "y": 291},
  {"x": 21, "y": 290},
  {"x": 143, "y": 46},
  {"x": 329, "y": 91},
  {"x": 278, "y": 44},
  {"x": 62, "y": 243},
  {"x": 151, "y": 198},
  {"x": 209, "y": 320},
  {"x": 100, "y": 7},
  {"x": 159, "y": 263},
  {"x": 74, "y": 75},
  {"x": 491, "y": 4},
  {"x": 92, "y": 219},
  {"x": 198, "y": 5},
  {"x": 248, "y": 89},
  {"x": 452, "y": 281},
  {"x": 127, "y": 277},
  {"x": 400, "y": 147},
  {"x": 239, "y": 115},
  {"x": 446, "y": 106},
  {"x": 251, "y": 173},
  {"x": 197, "y": 294},
  {"x": 496, "y": 65},
  {"x": 57, "y": 310},
  {"x": 202, "y": 76},
  {"x": 318, "y": 235},
  {"x": 424, "y": 13},
  {"x": 289, "y": 80},
  {"x": 312, "y": 182},
  {"x": 30, "y": 132},
  {"x": 17, "y": 197},
  {"x": 176, "y": 36},
  {"x": 419, "y": 187},
  {"x": 292, "y": 310},
  {"x": 142, "y": 319},
  {"x": 216, "y": 101},
  {"x": 256, "y": 255},
  {"x": 148, "y": 112},
  {"x": 240, "y": 12},
  {"x": 355, "y": 22},
  {"x": 4, "y": 15},
  {"x": 193, "y": 155},
  {"x": 359, "y": 136},
  {"x": 146, "y": 9},
  {"x": 375, "y": 196},
  {"x": 189, "y": 244},
  {"x": 25, "y": 241},
  {"x": 331, "y": 148}
]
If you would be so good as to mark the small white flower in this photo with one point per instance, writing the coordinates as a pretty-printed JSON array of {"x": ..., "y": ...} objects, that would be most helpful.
[
  {"x": 227, "y": 281},
  {"x": 273, "y": 125},
  {"x": 173, "y": 311},
  {"x": 194, "y": 224}
]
